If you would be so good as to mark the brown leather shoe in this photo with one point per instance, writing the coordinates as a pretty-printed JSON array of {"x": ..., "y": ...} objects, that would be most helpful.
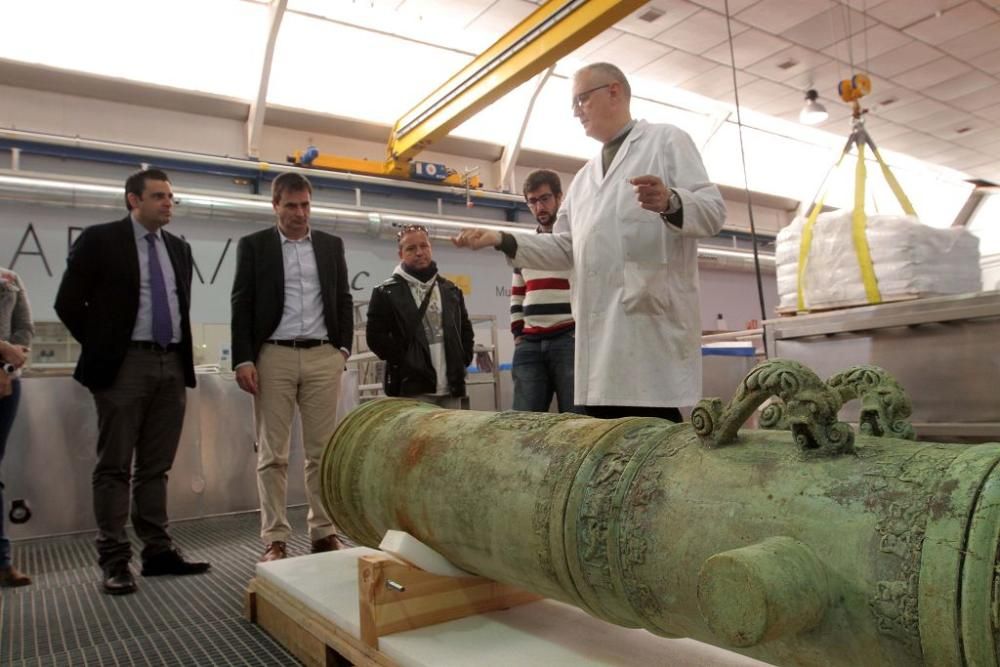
[
  {"x": 275, "y": 551},
  {"x": 324, "y": 544},
  {"x": 11, "y": 577}
]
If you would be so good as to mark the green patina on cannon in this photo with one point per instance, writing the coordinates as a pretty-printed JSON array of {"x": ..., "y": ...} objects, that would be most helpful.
[{"x": 810, "y": 545}]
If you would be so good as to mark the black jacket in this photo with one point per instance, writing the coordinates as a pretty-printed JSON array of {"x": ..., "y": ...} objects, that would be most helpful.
[
  {"x": 98, "y": 299},
  {"x": 258, "y": 297},
  {"x": 391, "y": 313}
]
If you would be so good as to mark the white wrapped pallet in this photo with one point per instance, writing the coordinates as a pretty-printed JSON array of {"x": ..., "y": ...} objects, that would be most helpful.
[{"x": 909, "y": 260}]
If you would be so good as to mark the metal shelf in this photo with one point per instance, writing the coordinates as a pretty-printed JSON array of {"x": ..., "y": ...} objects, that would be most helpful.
[{"x": 370, "y": 367}]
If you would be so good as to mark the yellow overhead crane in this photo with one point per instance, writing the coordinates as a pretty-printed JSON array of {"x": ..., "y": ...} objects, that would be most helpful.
[{"x": 552, "y": 31}]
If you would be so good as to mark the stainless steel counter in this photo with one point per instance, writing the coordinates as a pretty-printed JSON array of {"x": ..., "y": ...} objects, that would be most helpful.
[
  {"x": 53, "y": 446},
  {"x": 945, "y": 352}
]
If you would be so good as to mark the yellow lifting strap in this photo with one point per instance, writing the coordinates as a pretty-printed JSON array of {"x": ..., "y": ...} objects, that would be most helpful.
[
  {"x": 901, "y": 197},
  {"x": 807, "y": 235},
  {"x": 858, "y": 218}
]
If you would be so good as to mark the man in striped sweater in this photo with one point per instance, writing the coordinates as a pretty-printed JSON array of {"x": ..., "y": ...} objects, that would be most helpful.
[{"x": 540, "y": 315}]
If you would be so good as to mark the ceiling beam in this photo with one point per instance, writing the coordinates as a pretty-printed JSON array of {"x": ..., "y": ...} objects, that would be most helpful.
[
  {"x": 508, "y": 159},
  {"x": 258, "y": 108}
]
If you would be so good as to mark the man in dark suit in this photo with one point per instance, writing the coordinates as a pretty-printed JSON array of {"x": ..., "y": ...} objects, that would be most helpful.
[
  {"x": 125, "y": 296},
  {"x": 292, "y": 330}
]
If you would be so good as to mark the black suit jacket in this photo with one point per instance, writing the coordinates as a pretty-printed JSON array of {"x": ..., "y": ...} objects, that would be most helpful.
[
  {"x": 258, "y": 297},
  {"x": 98, "y": 299}
]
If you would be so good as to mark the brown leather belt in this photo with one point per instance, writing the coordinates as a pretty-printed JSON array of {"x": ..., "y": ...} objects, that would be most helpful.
[{"x": 303, "y": 343}]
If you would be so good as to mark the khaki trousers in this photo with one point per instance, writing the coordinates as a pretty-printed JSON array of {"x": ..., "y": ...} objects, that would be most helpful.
[{"x": 288, "y": 376}]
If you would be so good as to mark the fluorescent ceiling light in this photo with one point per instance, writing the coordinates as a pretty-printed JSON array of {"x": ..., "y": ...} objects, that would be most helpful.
[{"x": 708, "y": 251}]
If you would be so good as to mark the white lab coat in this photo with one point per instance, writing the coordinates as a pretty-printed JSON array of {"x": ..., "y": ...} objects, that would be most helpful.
[{"x": 635, "y": 277}]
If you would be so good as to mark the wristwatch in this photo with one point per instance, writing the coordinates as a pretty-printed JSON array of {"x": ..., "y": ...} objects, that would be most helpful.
[{"x": 673, "y": 205}]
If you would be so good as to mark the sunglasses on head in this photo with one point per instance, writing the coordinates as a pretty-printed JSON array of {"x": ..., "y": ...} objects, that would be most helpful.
[{"x": 409, "y": 228}]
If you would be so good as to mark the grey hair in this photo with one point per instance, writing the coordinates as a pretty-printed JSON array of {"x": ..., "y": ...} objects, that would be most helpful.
[{"x": 609, "y": 72}]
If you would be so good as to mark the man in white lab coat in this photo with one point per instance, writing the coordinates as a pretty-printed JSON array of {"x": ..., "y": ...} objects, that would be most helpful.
[{"x": 628, "y": 229}]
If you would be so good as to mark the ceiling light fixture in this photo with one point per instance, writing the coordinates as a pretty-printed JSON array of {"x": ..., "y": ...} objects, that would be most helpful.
[{"x": 813, "y": 113}]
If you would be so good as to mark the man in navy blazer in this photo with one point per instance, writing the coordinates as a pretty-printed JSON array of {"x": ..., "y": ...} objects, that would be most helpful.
[
  {"x": 126, "y": 296},
  {"x": 292, "y": 330}
]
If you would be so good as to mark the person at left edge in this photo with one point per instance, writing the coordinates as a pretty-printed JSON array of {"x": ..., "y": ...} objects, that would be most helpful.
[
  {"x": 292, "y": 330},
  {"x": 16, "y": 330},
  {"x": 126, "y": 297}
]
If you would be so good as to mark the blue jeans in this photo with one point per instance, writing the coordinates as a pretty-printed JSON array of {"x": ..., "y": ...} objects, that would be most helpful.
[
  {"x": 8, "y": 408},
  {"x": 541, "y": 368}
]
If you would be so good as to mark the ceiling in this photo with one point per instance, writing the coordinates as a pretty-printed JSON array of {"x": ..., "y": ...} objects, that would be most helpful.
[{"x": 934, "y": 65}]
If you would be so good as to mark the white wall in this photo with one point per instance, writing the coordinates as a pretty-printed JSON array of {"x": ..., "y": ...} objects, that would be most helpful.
[
  {"x": 73, "y": 116},
  {"x": 369, "y": 262}
]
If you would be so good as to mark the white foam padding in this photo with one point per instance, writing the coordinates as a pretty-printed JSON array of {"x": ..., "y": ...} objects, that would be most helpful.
[
  {"x": 408, "y": 548},
  {"x": 546, "y": 632},
  {"x": 909, "y": 258}
]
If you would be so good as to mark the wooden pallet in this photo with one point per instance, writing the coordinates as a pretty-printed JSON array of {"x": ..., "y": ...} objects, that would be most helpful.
[
  {"x": 856, "y": 303},
  {"x": 393, "y": 597}
]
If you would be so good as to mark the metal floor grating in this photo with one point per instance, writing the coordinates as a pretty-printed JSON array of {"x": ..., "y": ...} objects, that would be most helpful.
[{"x": 63, "y": 618}]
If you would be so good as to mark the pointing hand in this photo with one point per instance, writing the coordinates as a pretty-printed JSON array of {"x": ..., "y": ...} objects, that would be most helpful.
[{"x": 476, "y": 238}]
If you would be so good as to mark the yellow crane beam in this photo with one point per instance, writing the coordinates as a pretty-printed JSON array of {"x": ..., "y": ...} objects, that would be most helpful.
[
  {"x": 552, "y": 31},
  {"x": 555, "y": 29}
]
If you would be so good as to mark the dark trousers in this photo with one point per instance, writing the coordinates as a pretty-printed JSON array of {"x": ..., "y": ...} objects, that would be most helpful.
[
  {"x": 139, "y": 419},
  {"x": 8, "y": 408},
  {"x": 541, "y": 368},
  {"x": 618, "y": 411}
]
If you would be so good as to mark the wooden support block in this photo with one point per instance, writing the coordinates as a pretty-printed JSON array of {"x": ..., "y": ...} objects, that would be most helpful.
[
  {"x": 250, "y": 602},
  {"x": 313, "y": 639},
  {"x": 394, "y": 596}
]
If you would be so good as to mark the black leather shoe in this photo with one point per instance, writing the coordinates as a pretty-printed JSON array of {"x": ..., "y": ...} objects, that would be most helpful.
[
  {"x": 328, "y": 543},
  {"x": 118, "y": 580},
  {"x": 171, "y": 562}
]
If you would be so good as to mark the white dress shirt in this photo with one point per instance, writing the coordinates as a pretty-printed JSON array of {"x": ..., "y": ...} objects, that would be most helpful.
[
  {"x": 143, "y": 329},
  {"x": 302, "y": 316}
]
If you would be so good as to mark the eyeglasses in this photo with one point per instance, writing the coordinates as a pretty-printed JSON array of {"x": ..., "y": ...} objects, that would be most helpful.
[
  {"x": 545, "y": 199},
  {"x": 582, "y": 98},
  {"x": 409, "y": 228}
]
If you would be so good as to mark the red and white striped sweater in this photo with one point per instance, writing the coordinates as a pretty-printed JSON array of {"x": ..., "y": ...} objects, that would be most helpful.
[{"x": 539, "y": 303}]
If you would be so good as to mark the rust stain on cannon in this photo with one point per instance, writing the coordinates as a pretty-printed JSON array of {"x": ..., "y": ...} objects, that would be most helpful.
[{"x": 415, "y": 451}]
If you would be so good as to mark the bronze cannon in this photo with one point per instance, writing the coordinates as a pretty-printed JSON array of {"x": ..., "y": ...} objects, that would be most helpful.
[{"x": 810, "y": 545}]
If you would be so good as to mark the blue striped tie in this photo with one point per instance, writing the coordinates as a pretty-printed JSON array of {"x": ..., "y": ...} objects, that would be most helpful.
[{"x": 163, "y": 328}]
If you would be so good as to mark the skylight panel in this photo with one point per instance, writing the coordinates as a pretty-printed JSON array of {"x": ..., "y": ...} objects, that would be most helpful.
[
  {"x": 213, "y": 46},
  {"x": 349, "y": 72}
]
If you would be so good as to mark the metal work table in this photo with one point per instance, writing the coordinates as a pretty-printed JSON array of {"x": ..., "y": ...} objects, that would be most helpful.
[{"x": 945, "y": 351}]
